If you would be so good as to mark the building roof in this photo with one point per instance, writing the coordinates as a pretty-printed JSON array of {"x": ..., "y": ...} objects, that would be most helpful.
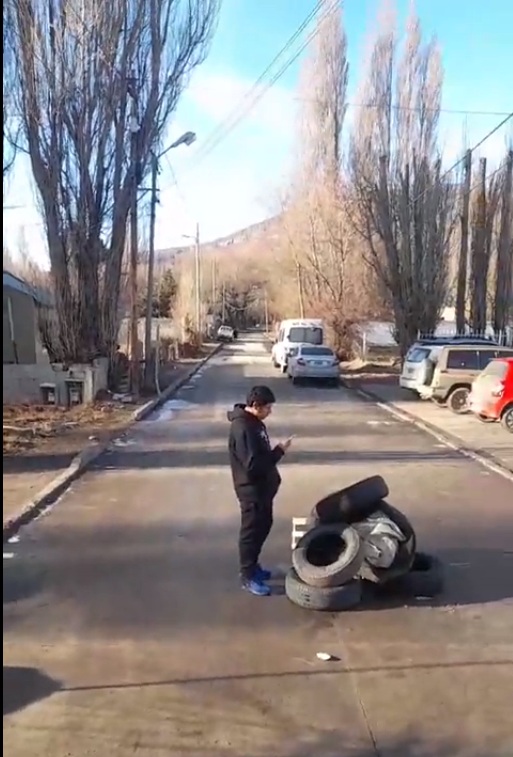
[{"x": 14, "y": 282}]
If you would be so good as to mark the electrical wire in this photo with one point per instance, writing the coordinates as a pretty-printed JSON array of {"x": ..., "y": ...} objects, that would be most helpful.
[
  {"x": 472, "y": 151},
  {"x": 241, "y": 110}
]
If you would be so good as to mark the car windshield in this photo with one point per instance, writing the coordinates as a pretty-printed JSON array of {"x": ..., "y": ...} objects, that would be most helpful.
[
  {"x": 317, "y": 351},
  {"x": 418, "y": 354},
  {"x": 305, "y": 334},
  {"x": 496, "y": 368}
]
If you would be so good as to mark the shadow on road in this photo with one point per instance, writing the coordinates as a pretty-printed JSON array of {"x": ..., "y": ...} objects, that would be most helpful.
[
  {"x": 24, "y": 686},
  {"x": 204, "y": 458},
  {"x": 120, "y": 576}
]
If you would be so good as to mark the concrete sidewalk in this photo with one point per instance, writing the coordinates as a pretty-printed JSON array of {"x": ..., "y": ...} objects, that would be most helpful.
[
  {"x": 27, "y": 476},
  {"x": 489, "y": 440}
]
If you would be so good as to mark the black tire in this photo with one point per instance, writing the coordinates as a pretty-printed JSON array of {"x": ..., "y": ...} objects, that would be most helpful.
[
  {"x": 424, "y": 579},
  {"x": 333, "y": 599},
  {"x": 328, "y": 555},
  {"x": 295, "y": 380},
  {"x": 353, "y": 503},
  {"x": 405, "y": 553},
  {"x": 507, "y": 419},
  {"x": 457, "y": 402}
]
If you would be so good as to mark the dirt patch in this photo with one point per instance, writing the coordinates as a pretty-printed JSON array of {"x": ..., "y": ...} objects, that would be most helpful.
[
  {"x": 360, "y": 372},
  {"x": 34, "y": 428}
]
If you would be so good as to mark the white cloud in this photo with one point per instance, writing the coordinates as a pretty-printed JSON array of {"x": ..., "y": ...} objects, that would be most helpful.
[{"x": 228, "y": 186}]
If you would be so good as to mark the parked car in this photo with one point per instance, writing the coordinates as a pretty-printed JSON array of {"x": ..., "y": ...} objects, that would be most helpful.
[
  {"x": 491, "y": 398},
  {"x": 292, "y": 333},
  {"x": 225, "y": 334},
  {"x": 421, "y": 358},
  {"x": 313, "y": 362},
  {"x": 456, "y": 368}
]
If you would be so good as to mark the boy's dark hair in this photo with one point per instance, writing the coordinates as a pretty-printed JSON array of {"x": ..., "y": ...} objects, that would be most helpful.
[{"x": 260, "y": 396}]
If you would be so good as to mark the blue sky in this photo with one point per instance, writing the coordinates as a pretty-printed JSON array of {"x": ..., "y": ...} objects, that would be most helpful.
[{"x": 242, "y": 179}]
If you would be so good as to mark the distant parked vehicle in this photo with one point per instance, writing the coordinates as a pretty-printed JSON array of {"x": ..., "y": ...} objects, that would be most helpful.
[
  {"x": 292, "y": 333},
  {"x": 313, "y": 362},
  {"x": 491, "y": 397},
  {"x": 422, "y": 357},
  {"x": 225, "y": 334},
  {"x": 456, "y": 368}
]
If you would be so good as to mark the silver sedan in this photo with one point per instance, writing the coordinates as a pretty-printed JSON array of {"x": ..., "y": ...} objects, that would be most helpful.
[{"x": 313, "y": 362}]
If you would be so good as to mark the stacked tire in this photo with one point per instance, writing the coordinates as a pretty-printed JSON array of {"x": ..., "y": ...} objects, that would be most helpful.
[{"x": 329, "y": 570}]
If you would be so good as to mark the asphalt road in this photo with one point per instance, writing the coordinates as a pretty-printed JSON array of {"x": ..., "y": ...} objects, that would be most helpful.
[{"x": 125, "y": 632}]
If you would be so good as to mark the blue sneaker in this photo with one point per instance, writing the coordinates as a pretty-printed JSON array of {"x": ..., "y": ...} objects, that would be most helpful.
[
  {"x": 258, "y": 588},
  {"x": 261, "y": 574}
]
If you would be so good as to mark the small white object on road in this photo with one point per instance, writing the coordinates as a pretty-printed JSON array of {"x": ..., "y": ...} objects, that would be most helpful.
[{"x": 324, "y": 656}]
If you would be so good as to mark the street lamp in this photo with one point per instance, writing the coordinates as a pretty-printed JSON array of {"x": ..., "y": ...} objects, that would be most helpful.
[{"x": 187, "y": 139}]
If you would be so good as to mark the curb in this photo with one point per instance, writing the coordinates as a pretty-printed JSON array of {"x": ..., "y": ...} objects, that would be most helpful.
[
  {"x": 454, "y": 442},
  {"x": 47, "y": 496}
]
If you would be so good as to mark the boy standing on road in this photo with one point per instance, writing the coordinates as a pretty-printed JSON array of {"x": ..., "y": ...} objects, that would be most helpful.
[{"x": 256, "y": 481}]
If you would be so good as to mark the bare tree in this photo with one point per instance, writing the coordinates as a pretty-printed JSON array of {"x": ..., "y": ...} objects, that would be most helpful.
[
  {"x": 323, "y": 92},
  {"x": 89, "y": 74},
  {"x": 405, "y": 204},
  {"x": 503, "y": 304},
  {"x": 484, "y": 213},
  {"x": 8, "y": 120}
]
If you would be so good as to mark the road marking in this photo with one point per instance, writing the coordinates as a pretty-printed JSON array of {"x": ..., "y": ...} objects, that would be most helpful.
[{"x": 471, "y": 454}]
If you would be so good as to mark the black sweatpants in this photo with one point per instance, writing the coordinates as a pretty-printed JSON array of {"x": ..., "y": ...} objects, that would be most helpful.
[{"x": 255, "y": 525}]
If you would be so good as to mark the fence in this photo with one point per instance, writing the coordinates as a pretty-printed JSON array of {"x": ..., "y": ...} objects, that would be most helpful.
[{"x": 375, "y": 340}]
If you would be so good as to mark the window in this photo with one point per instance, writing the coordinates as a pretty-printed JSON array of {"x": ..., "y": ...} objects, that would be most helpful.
[
  {"x": 317, "y": 351},
  {"x": 418, "y": 354},
  {"x": 496, "y": 368},
  {"x": 305, "y": 335},
  {"x": 486, "y": 355},
  {"x": 463, "y": 360}
]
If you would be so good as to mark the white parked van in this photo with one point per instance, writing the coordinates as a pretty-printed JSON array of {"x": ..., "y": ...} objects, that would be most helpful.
[{"x": 291, "y": 334}]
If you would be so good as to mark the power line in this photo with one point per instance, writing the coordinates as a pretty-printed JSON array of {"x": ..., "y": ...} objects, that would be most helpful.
[
  {"x": 471, "y": 150},
  {"x": 416, "y": 109},
  {"x": 232, "y": 121}
]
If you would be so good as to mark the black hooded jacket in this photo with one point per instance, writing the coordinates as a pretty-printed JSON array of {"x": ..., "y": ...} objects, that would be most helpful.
[{"x": 253, "y": 462}]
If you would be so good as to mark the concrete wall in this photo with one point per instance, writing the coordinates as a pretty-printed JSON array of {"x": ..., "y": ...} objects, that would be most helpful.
[
  {"x": 19, "y": 312},
  {"x": 22, "y": 383}
]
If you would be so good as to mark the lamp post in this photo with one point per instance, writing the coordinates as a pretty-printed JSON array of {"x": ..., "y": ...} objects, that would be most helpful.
[{"x": 186, "y": 139}]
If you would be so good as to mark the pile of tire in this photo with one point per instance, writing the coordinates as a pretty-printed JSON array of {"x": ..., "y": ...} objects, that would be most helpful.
[{"x": 329, "y": 570}]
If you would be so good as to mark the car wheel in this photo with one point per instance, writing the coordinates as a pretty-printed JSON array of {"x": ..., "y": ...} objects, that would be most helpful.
[
  {"x": 332, "y": 599},
  {"x": 295, "y": 380},
  {"x": 283, "y": 368},
  {"x": 507, "y": 419},
  {"x": 457, "y": 401},
  {"x": 353, "y": 503},
  {"x": 329, "y": 555}
]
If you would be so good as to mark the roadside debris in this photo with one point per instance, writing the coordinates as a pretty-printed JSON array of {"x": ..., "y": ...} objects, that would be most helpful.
[{"x": 355, "y": 539}]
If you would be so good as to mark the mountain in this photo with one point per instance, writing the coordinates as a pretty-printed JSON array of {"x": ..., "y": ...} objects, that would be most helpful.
[{"x": 268, "y": 228}]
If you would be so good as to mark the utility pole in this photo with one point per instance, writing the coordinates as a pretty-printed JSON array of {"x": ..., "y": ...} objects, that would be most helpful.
[
  {"x": 197, "y": 257},
  {"x": 148, "y": 373},
  {"x": 461, "y": 285},
  {"x": 223, "y": 304},
  {"x": 214, "y": 286},
  {"x": 134, "y": 166},
  {"x": 266, "y": 309},
  {"x": 300, "y": 289}
]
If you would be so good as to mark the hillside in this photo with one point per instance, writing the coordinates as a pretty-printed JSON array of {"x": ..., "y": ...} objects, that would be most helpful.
[{"x": 267, "y": 228}]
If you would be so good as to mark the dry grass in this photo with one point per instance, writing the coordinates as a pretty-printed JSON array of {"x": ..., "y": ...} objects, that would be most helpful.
[{"x": 33, "y": 427}]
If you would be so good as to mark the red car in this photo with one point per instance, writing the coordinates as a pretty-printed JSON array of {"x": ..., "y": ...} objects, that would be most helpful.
[{"x": 491, "y": 398}]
